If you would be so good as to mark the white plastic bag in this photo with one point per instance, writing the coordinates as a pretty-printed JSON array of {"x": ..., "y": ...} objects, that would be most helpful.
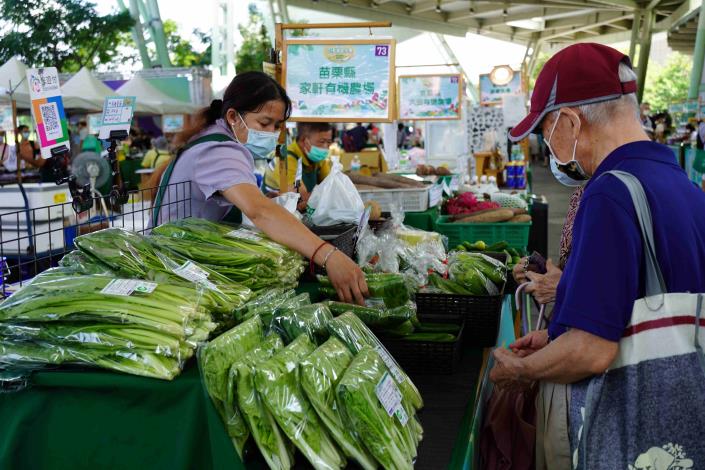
[
  {"x": 287, "y": 200},
  {"x": 335, "y": 200}
]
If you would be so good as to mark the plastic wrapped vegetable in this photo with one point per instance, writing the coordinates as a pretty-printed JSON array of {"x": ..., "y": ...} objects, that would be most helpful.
[
  {"x": 377, "y": 317},
  {"x": 277, "y": 383},
  {"x": 311, "y": 320},
  {"x": 265, "y": 303},
  {"x": 81, "y": 263},
  {"x": 132, "y": 255},
  {"x": 320, "y": 373},
  {"x": 288, "y": 305},
  {"x": 215, "y": 359},
  {"x": 385, "y": 429},
  {"x": 388, "y": 290},
  {"x": 356, "y": 335},
  {"x": 274, "y": 446}
]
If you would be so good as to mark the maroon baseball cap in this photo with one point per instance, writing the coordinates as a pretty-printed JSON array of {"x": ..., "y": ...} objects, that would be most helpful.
[{"x": 579, "y": 74}]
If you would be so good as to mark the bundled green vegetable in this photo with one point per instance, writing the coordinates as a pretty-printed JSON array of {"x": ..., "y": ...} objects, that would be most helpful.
[
  {"x": 320, "y": 373},
  {"x": 240, "y": 254},
  {"x": 215, "y": 359},
  {"x": 265, "y": 303},
  {"x": 355, "y": 335},
  {"x": 311, "y": 320},
  {"x": 386, "y": 290},
  {"x": 274, "y": 446},
  {"x": 132, "y": 255},
  {"x": 277, "y": 383},
  {"x": 470, "y": 274},
  {"x": 377, "y": 316},
  {"x": 81, "y": 263},
  {"x": 386, "y": 429}
]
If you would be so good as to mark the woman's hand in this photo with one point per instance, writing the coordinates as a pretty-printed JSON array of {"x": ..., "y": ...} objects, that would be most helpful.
[
  {"x": 519, "y": 271},
  {"x": 529, "y": 344},
  {"x": 346, "y": 276},
  {"x": 543, "y": 286}
]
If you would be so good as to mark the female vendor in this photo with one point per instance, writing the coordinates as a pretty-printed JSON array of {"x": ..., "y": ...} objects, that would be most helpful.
[{"x": 217, "y": 158}]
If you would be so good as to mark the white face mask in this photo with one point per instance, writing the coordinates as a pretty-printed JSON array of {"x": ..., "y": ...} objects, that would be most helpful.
[{"x": 572, "y": 169}]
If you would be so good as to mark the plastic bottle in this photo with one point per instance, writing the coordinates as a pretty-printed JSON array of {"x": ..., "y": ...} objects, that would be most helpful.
[{"x": 355, "y": 164}]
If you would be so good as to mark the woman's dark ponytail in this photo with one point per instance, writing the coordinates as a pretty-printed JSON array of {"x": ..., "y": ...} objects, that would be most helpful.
[{"x": 215, "y": 111}]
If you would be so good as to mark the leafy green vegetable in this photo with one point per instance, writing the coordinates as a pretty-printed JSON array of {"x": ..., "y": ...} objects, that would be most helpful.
[
  {"x": 215, "y": 359},
  {"x": 376, "y": 316},
  {"x": 311, "y": 320},
  {"x": 81, "y": 263},
  {"x": 277, "y": 383},
  {"x": 388, "y": 290},
  {"x": 274, "y": 446},
  {"x": 266, "y": 302},
  {"x": 356, "y": 335},
  {"x": 388, "y": 440},
  {"x": 320, "y": 373}
]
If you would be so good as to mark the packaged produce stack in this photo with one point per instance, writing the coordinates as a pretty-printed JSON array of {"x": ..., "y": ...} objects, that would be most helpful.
[
  {"x": 304, "y": 380},
  {"x": 243, "y": 255},
  {"x": 133, "y": 326}
]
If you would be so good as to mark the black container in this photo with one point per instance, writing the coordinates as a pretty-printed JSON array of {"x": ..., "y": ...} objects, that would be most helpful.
[
  {"x": 427, "y": 357},
  {"x": 481, "y": 313},
  {"x": 341, "y": 236}
]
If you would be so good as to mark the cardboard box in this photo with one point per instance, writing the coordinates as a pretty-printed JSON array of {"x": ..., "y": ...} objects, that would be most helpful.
[{"x": 370, "y": 159}]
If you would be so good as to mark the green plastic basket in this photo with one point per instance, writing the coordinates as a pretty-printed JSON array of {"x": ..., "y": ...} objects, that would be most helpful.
[{"x": 517, "y": 235}]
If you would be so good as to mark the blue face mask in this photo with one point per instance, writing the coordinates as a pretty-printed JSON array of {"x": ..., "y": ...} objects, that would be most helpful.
[
  {"x": 260, "y": 143},
  {"x": 317, "y": 154},
  {"x": 571, "y": 171},
  {"x": 562, "y": 178}
]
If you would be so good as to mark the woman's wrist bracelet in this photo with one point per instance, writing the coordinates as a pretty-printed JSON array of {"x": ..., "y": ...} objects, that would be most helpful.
[{"x": 325, "y": 260}]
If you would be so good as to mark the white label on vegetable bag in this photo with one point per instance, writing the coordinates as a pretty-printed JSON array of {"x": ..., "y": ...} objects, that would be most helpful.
[
  {"x": 390, "y": 397},
  {"x": 126, "y": 287},
  {"x": 391, "y": 364},
  {"x": 194, "y": 273},
  {"x": 245, "y": 234},
  {"x": 374, "y": 302}
]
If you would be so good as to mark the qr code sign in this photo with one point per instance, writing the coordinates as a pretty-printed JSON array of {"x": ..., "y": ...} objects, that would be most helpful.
[{"x": 51, "y": 120}]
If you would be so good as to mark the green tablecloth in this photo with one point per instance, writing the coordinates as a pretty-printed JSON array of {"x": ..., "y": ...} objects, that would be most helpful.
[{"x": 101, "y": 420}]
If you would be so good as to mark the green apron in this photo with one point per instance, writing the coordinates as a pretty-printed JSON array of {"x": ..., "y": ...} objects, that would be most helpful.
[{"x": 234, "y": 213}]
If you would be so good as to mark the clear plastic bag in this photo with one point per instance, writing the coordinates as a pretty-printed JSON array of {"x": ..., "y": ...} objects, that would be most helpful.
[
  {"x": 267, "y": 301},
  {"x": 335, "y": 200},
  {"x": 349, "y": 329},
  {"x": 476, "y": 271},
  {"x": 311, "y": 320},
  {"x": 377, "y": 317},
  {"x": 277, "y": 451},
  {"x": 320, "y": 373},
  {"x": 277, "y": 383},
  {"x": 391, "y": 438}
]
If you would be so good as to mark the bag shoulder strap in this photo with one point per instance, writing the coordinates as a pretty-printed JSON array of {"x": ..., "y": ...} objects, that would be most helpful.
[
  {"x": 159, "y": 198},
  {"x": 655, "y": 284}
]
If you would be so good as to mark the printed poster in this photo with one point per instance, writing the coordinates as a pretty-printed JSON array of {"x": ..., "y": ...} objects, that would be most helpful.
[
  {"x": 340, "y": 80},
  {"x": 48, "y": 109},
  {"x": 426, "y": 97},
  {"x": 172, "y": 123},
  {"x": 117, "y": 115},
  {"x": 493, "y": 94},
  {"x": 94, "y": 122}
]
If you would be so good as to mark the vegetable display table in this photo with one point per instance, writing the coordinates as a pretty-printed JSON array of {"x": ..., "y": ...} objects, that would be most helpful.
[{"x": 87, "y": 419}]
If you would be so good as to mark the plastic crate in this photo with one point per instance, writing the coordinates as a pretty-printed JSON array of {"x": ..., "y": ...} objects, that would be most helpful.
[
  {"x": 410, "y": 199},
  {"x": 517, "y": 235},
  {"x": 427, "y": 357},
  {"x": 481, "y": 313}
]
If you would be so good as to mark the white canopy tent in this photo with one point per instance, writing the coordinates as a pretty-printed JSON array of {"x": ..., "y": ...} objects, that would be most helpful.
[
  {"x": 85, "y": 92},
  {"x": 12, "y": 73},
  {"x": 152, "y": 100}
]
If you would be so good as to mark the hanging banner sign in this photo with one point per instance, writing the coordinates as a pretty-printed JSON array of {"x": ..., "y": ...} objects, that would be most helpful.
[
  {"x": 117, "y": 115},
  {"x": 94, "y": 122},
  {"x": 6, "y": 123},
  {"x": 172, "y": 123},
  {"x": 48, "y": 109},
  {"x": 492, "y": 92},
  {"x": 340, "y": 80},
  {"x": 430, "y": 97}
]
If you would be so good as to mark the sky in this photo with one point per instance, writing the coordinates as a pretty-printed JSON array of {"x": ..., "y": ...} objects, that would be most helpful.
[{"x": 475, "y": 53}]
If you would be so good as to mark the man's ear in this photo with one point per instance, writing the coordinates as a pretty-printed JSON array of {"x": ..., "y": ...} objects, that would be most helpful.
[{"x": 575, "y": 123}]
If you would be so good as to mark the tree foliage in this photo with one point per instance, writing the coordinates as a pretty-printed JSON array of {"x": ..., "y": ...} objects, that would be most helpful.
[
  {"x": 255, "y": 43},
  {"x": 181, "y": 50},
  {"x": 668, "y": 83},
  {"x": 67, "y": 34}
]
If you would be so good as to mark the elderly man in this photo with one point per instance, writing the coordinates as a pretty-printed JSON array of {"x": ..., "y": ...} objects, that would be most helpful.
[{"x": 585, "y": 106}]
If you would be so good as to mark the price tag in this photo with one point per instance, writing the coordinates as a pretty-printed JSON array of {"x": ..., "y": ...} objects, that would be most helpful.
[
  {"x": 389, "y": 396},
  {"x": 117, "y": 115},
  {"x": 391, "y": 364},
  {"x": 194, "y": 273},
  {"x": 374, "y": 302},
  {"x": 126, "y": 287},
  {"x": 245, "y": 234},
  {"x": 435, "y": 195}
]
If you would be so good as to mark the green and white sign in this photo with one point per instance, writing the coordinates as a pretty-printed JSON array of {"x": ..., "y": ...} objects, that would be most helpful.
[
  {"x": 117, "y": 115},
  {"x": 426, "y": 97},
  {"x": 6, "y": 123},
  {"x": 340, "y": 80}
]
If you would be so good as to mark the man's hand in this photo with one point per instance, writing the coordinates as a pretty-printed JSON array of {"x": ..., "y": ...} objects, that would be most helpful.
[
  {"x": 529, "y": 344},
  {"x": 519, "y": 271},
  {"x": 507, "y": 371},
  {"x": 543, "y": 286}
]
